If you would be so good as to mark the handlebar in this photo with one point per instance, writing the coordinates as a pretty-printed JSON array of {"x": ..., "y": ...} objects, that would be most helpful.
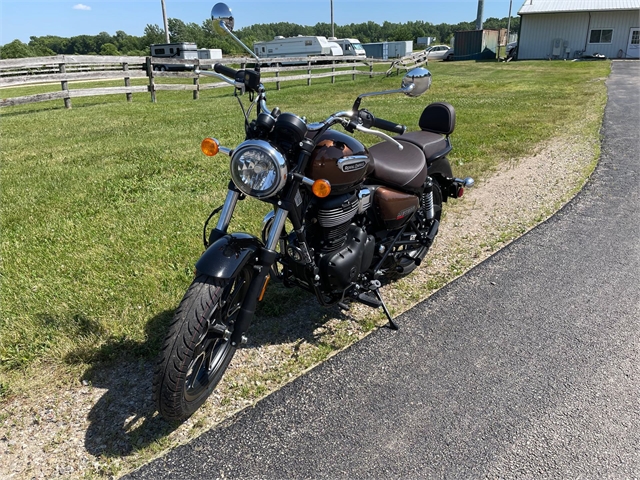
[
  {"x": 361, "y": 120},
  {"x": 224, "y": 70},
  {"x": 389, "y": 126}
]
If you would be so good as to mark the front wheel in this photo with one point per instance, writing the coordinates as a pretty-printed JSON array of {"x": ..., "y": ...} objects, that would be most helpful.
[{"x": 197, "y": 349}]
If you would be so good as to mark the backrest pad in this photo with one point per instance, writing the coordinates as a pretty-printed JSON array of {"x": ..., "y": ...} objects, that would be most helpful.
[{"x": 438, "y": 117}]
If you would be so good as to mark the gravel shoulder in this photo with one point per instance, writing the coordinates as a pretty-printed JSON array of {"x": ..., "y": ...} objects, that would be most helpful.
[{"x": 105, "y": 427}]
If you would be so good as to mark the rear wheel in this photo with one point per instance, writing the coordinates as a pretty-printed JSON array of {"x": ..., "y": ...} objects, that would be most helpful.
[{"x": 197, "y": 349}]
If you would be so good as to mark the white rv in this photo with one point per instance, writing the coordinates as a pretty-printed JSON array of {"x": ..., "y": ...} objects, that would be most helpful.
[
  {"x": 182, "y": 51},
  {"x": 351, "y": 47},
  {"x": 209, "y": 54},
  {"x": 299, "y": 46}
]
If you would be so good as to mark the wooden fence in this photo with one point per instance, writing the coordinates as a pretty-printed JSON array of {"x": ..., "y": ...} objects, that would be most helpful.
[{"x": 82, "y": 68}]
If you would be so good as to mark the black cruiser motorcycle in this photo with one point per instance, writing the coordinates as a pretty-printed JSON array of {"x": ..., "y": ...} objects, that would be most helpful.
[{"x": 361, "y": 217}]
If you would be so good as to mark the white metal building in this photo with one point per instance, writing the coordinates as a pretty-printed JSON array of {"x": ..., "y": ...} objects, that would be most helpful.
[{"x": 567, "y": 29}]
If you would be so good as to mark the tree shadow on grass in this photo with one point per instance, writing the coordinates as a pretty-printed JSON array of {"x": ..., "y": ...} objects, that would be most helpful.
[{"x": 124, "y": 418}]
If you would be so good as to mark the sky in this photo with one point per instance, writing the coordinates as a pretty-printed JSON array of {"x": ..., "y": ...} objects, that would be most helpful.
[{"x": 21, "y": 19}]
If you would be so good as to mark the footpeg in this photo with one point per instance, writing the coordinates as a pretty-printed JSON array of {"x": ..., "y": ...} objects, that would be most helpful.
[
  {"x": 372, "y": 298},
  {"x": 344, "y": 306},
  {"x": 370, "y": 301}
]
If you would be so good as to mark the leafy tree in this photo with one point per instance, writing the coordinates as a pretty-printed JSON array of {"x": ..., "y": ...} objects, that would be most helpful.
[
  {"x": 109, "y": 49},
  {"x": 82, "y": 45},
  {"x": 177, "y": 30},
  {"x": 152, "y": 34},
  {"x": 16, "y": 49},
  {"x": 101, "y": 39}
]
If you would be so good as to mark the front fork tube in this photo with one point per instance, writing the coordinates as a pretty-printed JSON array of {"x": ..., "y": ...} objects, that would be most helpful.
[
  {"x": 227, "y": 210},
  {"x": 265, "y": 258}
]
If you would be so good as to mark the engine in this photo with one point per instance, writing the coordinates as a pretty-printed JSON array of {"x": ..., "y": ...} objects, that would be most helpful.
[
  {"x": 334, "y": 216},
  {"x": 342, "y": 248}
]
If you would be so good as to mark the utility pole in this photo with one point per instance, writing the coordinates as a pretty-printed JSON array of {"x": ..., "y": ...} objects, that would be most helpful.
[
  {"x": 332, "y": 31},
  {"x": 509, "y": 21},
  {"x": 166, "y": 25},
  {"x": 480, "y": 14}
]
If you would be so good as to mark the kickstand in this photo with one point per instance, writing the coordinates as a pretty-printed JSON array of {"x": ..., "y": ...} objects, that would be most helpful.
[{"x": 392, "y": 325}]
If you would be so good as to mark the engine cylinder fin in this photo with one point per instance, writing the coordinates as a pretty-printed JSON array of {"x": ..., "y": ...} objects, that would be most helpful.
[{"x": 336, "y": 216}]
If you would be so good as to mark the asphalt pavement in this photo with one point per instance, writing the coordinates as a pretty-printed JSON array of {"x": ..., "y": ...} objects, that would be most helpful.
[{"x": 528, "y": 366}]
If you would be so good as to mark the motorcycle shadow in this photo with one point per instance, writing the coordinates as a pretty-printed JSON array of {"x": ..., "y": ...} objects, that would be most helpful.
[
  {"x": 290, "y": 315},
  {"x": 124, "y": 419}
]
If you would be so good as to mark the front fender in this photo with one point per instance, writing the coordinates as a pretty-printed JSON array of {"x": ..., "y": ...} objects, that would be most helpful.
[{"x": 228, "y": 255}]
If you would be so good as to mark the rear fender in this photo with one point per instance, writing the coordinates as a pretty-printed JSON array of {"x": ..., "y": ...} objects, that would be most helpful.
[
  {"x": 224, "y": 258},
  {"x": 440, "y": 171},
  {"x": 440, "y": 167}
]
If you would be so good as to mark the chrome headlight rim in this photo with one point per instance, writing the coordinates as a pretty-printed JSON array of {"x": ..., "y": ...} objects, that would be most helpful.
[{"x": 279, "y": 165}]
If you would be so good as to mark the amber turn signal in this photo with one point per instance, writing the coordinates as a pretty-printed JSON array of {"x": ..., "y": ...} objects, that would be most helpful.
[
  {"x": 321, "y": 188},
  {"x": 210, "y": 146}
]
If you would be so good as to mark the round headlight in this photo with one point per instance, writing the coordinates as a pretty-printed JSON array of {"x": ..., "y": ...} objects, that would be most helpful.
[{"x": 258, "y": 169}]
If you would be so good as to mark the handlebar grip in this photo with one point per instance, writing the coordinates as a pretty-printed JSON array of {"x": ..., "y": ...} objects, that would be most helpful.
[
  {"x": 389, "y": 126},
  {"x": 224, "y": 70}
]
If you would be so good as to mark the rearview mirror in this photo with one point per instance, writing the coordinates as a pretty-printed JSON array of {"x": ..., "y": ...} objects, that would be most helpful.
[
  {"x": 416, "y": 82},
  {"x": 222, "y": 18}
]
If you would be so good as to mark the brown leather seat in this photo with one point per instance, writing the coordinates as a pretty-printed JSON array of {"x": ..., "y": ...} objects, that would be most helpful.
[
  {"x": 408, "y": 168},
  {"x": 402, "y": 168},
  {"x": 432, "y": 144}
]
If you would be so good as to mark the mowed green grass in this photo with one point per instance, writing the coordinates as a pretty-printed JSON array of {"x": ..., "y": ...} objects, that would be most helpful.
[{"x": 102, "y": 205}]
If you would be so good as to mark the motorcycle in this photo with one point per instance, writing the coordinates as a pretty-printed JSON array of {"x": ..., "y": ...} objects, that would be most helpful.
[{"x": 361, "y": 217}]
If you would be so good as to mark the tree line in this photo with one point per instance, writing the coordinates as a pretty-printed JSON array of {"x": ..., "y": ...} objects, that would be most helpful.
[{"x": 203, "y": 35}]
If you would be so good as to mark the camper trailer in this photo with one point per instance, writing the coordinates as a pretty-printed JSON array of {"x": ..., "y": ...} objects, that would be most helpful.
[
  {"x": 351, "y": 47},
  {"x": 180, "y": 51},
  {"x": 209, "y": 54},
  {"x": 299, "y": 46}
]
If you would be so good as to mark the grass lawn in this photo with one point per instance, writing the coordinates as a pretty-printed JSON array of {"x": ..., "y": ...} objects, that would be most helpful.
[{"x": 102, "y": 205}]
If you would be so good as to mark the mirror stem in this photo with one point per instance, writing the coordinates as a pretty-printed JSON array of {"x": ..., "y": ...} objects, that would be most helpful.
[
  {"x": 226, "y": 29},
  {"x": 356, "y": 104}
]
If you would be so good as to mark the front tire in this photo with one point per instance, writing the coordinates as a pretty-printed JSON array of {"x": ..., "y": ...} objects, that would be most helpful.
[{"x": 197, "y": 349}]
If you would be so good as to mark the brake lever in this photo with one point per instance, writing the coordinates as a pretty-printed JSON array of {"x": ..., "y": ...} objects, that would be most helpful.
[
  {"x": 380, "y": 134},
  {"x": 217, "y": 75}
]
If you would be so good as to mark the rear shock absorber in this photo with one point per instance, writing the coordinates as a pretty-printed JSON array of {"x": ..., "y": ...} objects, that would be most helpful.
[{"x": 426, "y": 199}]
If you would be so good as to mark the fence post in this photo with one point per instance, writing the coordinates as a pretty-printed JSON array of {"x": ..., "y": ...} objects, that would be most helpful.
[
  {"x": 309, "y": 73},
  {"x": 152, "y": 86},
  {"x": 371, "y": 70},
  {"x": 277, "y": 75},
  {"x": 196, "y": 92},
  {"x": 65, "y": 86},
  {"x": 127, "y": 80},
  {"x": 333, "y": 71}
]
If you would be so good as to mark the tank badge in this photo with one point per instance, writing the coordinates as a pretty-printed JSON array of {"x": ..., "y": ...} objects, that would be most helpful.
[{"x": 353, "y": 163}]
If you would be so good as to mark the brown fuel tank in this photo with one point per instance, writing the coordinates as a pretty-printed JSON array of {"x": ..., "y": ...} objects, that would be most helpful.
[
  {"x": 395, "y": 208},
  {"x": 341, "y": 159}
]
